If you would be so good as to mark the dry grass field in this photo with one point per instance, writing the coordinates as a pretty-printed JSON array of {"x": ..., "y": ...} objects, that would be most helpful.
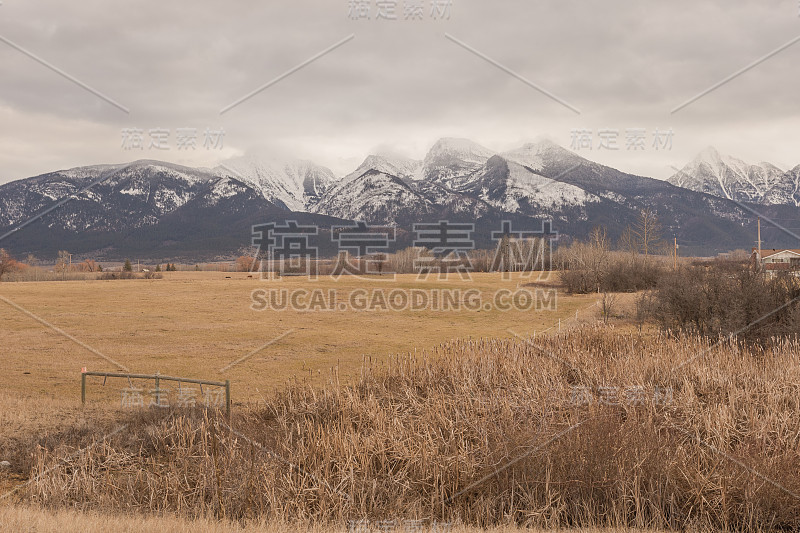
[
  {"x": 16, "y": 519},
  {"x": 482, "y": 433},
  {"x": 376, "y": 415},
  {"x": 193, "y": 324}
]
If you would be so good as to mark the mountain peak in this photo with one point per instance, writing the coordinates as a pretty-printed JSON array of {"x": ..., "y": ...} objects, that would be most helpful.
[
  {"x": 709, "y": 154},
  {"x": 725, "y": 176},
  {"x": 290, "y": 183},
  {"x": 542, "y": 144},
  {"x": 540, "y": 154},
  {"x": 373, "y": 159},
  {"x": 709, "y": 150},
  {"x": 394, "y": 160},
  {"x": 391, "y": 164},
  {"x": 450, "y": 161},
  {"x": 456, "y": 145},
  {"x": 453, "y": 141},
  {"x": 155, "y": 202}
]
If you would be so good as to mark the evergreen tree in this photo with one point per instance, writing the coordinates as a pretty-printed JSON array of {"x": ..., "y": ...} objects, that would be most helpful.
[{"x": 127, "y": 267}]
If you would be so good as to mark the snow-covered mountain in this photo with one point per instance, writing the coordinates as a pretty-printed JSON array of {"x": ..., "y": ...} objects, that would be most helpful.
[
  {"x": 395, "y": 165},
  {"x": 463, "y": 180},
  {"x": 457, "y": 177},
  {"x": 536, "y": 155},
  {"x": 727, "y": 177},
  {"x": 451, "y": 161},
  {"x": 151, "y": 205},
  {"x": 293, "y": 184},
  {"x": 145, "y": 205},
  {"x": 105, "y": 197},
  {"x": 514, "y": 188},
  {"x": 393, "y": 190},
  {"x": 786, "y": 191},
  {"x": 401, "y": 167},
  {"x": 375, "y": 197}
]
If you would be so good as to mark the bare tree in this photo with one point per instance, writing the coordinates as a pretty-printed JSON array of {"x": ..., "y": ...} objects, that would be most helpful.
[
  {"x": 598, "y": 255},
  {"x": 482, "y": 260},
  {"x": 379, "y": 261},
  {"x": 628, "y": 241},
  {"x": 608, "y": 306},
  {"x": 531, "y": 254},
  {"x": 33, "y": 262},
  {"x": 405, "y": 261},
  {"x": 63, "y": 261},
  {"x": 587, "y": 263},
  {"x": 647, "y": 231},
  {"x": 502, "y": 257},
  {"x": 245, "y": 263}
]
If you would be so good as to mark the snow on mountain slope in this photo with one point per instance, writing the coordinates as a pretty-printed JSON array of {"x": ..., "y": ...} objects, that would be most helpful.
[
  {"x": 721, "y": 175},
  {"x": 513, "y": 188},
  {"x": 225, "y": 188},
  {"x": 294, "y": 184},
  {"x": 103, "y": 196},
  {"x": 451, "y": 202},
  {"x": 533, "y": 155},
  {"x": 394, "y": 165},
  {"x": 460, "y": 177},
  {"x": 402, "y": 167},
  {"x": 530, "y": 188},
  {"x": 374, "y": 197},
  {"x": 457, "y": 180},
  {"x": 786, "y": 191},
  {"x": 418, "y": 195},
  {"x": 452, "y": 161}
]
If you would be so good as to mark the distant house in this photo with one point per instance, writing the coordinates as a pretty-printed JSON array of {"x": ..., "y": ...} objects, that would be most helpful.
[{"x": 774, "y": 261}]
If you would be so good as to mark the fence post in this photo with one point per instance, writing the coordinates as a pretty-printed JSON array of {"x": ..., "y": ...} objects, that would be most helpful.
[
  {"x": 158, "y": 390},
  {"x": 228, "y": 398}
]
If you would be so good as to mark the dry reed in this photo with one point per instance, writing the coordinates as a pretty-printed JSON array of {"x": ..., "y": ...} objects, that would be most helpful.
[{"x": 483, "y": 433}]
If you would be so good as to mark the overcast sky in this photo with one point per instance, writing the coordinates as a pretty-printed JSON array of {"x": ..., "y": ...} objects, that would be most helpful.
[{"x": 398, "y": 84}]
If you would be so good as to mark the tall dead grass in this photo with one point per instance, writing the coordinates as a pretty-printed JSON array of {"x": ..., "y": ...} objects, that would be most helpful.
[
  {"x": 482, "y": 432},
  {"x": 16, "y": 519}
]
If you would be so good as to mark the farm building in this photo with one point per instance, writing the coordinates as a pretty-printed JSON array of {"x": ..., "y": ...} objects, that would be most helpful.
[{"x": 774, "y": 261}]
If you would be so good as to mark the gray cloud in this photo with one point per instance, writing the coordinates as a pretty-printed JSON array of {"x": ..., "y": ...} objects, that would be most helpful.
[{"x": 398, "y": 83}]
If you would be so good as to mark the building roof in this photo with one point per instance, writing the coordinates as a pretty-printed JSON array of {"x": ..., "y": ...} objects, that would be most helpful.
[{"x": 767, "y": 252}]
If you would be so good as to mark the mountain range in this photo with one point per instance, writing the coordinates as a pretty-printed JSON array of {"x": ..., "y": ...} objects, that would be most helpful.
[
  {"x": 157, "y": 210},
  {"x": 728, "y": 177}
]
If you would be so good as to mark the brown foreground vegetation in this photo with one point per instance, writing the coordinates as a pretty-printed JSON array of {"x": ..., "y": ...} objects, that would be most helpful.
[
  {"x": 593, "y": 428},
  {"x": 722, "y": 298},
  {"x": 18, "y": 519}
]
